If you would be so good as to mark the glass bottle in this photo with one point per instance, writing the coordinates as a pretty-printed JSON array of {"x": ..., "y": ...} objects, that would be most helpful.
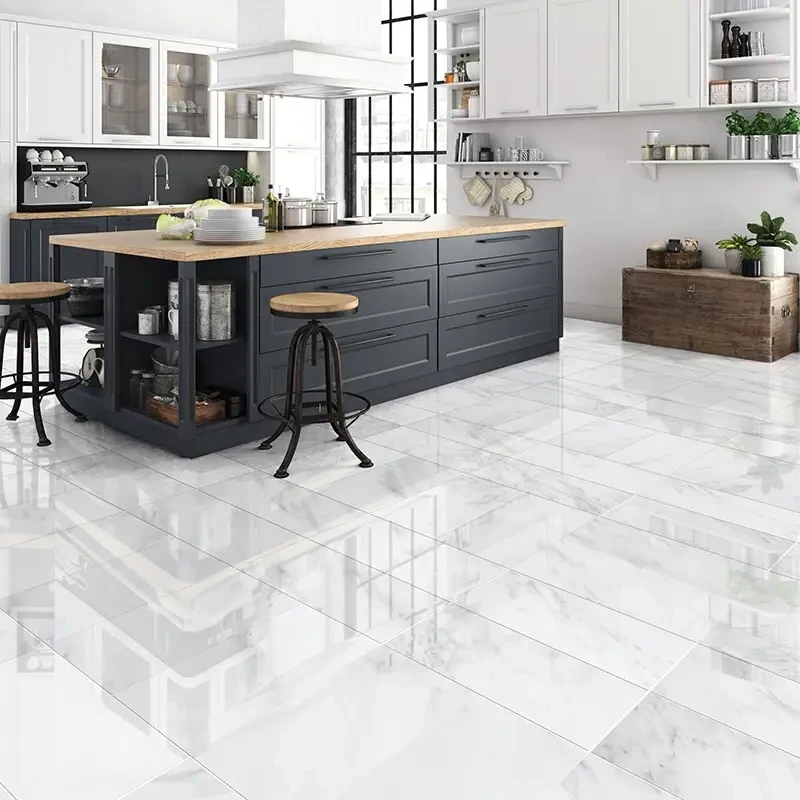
[
  {"x": 146, "y": 390},
  {"x": 271, "y": 211},
  {"x": 134, "y": 389}
]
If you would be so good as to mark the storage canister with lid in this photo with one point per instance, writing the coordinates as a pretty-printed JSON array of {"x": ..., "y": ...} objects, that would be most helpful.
[{"x": 216, "y": 311}]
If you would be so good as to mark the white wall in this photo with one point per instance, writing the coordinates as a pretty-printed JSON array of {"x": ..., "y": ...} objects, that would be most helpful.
[
  {"x": 613, "y": 210},
  {"x": 213, "y": 20}
]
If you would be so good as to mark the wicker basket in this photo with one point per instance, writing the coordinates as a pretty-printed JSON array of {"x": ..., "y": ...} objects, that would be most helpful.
[
  {"x": 661, "y": 259},
  {"x": 212, "y": 411}
]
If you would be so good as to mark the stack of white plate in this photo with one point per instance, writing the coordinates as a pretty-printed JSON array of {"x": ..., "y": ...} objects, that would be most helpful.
[{"x": 229, "y": 226}]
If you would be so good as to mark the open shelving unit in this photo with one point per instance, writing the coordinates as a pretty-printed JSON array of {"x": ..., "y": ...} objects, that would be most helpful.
[
  {"x": 779, "y": 25},
  {"x": 165, "y": 340},
  {"x": 653, "y": 167},
  {"x": 527, "y": 170}
]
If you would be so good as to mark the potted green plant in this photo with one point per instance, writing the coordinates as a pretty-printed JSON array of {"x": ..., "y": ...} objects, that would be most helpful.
[
  {"x": 751, "y": 261},
  {"x": 789, "y": 135},
  {"x": 733, "y": 251},
  {"x": 763, "y": 131},
  {"x": 246, "y": 182},
  {"x": 738, "y": 136},
  {"x": 774, "y": 241}
]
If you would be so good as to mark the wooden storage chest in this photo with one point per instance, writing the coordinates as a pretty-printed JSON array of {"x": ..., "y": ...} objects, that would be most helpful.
[{"x": 711, "y": 311}]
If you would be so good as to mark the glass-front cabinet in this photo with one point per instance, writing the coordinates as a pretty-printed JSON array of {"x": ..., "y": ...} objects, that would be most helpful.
[
  {"x": 125, "y": 89},
  {"x": 188, "y": 109},
  {"x": 244, "y": 120}
]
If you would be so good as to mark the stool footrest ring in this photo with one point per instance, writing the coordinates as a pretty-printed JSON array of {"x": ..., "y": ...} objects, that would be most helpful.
[{"x": 322, "y": 416}]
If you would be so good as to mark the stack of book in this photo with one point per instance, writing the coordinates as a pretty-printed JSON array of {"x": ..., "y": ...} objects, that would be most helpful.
[{"x": 469, "y": 145}]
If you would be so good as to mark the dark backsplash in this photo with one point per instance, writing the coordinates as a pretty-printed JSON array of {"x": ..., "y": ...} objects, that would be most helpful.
[{"x": 125, "y": 177}]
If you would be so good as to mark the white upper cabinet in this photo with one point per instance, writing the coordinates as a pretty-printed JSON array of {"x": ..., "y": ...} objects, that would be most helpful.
[
  {"x": 515, "y": 59},
  {"x": 659, "y": 54},
  {"x": 125, "y": 90},
  {"x": 188, "y": 111},
  {"x": 583, "y": 56},
  {"x": 6, "y": 81},
  {"x": 244, "y": 121},
  {"x": 54, "y": 87}
]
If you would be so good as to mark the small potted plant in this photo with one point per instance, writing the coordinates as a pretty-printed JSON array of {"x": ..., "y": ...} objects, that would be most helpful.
[
  {"x": 789, "y": 135},
  {"x": 763, "y": 132},
  {"x": 733, "y": 251},
  {"x": 774, "y": 241},
  {"x": 751, "y": 261},
  {"x": 738, "y": 136},
  {"x": 246, "y": 182}
]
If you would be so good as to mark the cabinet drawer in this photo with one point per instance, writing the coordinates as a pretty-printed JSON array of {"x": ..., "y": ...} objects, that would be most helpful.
[
  {"x": 476, "y": 336},
  {"x": 334, "y": 264},
  {"x": 386, "y": 300},
  {"x": 467, "y": 248},
  {"x": 475, "y": 285},
  {"x": 369, "y": 361}
]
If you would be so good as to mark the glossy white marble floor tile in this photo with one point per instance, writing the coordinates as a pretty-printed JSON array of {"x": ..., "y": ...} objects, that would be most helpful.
[{"x": 571, "y": 579}]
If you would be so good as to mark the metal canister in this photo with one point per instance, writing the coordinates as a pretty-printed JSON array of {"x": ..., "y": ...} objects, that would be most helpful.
[
  {"x": 647, "y": 152},
  {"x": 173, "y": 295},
  {"x": 702, "y": 152},
  {"x": 216, "y": 311},
  {"x": 685, "y": 152},
  {"x": 670, "y": 152}
]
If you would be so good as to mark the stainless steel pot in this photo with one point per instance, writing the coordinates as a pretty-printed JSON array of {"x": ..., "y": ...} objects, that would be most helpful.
[
  {"x": 297, "y": 213},
  {"x": 325, "y": 212}
]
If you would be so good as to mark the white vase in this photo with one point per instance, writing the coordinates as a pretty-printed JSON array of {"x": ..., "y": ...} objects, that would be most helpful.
[{"x": 772, "y": 262}]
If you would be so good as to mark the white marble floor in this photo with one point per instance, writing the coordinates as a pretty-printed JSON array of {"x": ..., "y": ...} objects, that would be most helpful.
[{"x": 572, "y": 579}]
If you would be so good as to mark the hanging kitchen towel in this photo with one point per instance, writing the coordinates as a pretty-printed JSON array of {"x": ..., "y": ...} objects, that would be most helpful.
[{"x": 477, "y": 191}]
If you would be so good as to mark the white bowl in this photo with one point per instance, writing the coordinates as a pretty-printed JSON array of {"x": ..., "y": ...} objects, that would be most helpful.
[
  {"x": 470, "y": 36},
  {"x": 474, "y": 70}
]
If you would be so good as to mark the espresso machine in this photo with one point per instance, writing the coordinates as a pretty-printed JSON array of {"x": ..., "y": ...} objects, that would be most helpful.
[{"x": 56, "y": 186}]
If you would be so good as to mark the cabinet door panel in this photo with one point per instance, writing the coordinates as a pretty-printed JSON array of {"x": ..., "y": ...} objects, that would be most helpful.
[
  {"x": 75, "y": 263},
  {"x": 659, "y": 70},
  {"x": 6, "y": 82},
  {"x": 582, "y": 33},
  {"x": 54, "y": 92},
  {"x": 515, "y": 59}
]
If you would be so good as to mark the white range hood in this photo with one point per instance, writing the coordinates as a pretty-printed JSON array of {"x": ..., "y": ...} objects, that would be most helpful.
[{"x": 323, "y": 49}]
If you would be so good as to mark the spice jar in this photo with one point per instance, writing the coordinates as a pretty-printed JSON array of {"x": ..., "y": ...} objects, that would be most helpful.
[
  {"x": 146, "y": 389},
  {"x": 702, "y": 152},
  {"x": 685, "y": 152},
  {"x": 670, "y": 152}
]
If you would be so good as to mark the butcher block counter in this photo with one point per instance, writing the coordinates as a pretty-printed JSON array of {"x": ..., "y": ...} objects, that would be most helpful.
[{"x": 439, "y": 301}]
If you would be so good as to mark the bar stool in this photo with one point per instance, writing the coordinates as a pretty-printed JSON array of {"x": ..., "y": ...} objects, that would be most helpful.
[
  {"x": 314, "y": 306},
  {"x": 27, "y": 294}
]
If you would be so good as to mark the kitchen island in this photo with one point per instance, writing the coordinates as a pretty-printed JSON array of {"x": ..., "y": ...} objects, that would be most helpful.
[{"x": 440, "y": 300}]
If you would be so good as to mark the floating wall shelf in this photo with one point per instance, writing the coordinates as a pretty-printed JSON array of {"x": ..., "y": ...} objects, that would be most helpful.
[
  {"x": 457, "y": 50},
  {"x": 749, "y": 61},
  {"x": 653, "y": 166},
  {"x": 528, "y": 170},
  {"x": 751, "y": 15}
]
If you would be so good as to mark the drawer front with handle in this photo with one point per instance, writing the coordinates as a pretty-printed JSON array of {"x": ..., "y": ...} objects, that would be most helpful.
[
  {"x": 476, "y": 336},
  {"x": 385, "y": 300},
  {"x": 495, "y": 245},
  {"x": 369, "y": 361},
  {"x": 326, "y": 265},
  {"x": 475, "y": 285}
]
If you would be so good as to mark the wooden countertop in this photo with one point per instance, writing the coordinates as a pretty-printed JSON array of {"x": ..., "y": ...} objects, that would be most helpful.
[
  {"x": 112, "y": 211},
  {"x": 147, "y": 244}
]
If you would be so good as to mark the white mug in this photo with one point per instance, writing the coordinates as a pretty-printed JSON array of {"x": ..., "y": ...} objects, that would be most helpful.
[{"x": 173, "y": 322}]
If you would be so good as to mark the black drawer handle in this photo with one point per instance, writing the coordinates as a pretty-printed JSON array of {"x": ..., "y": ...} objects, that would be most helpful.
[
  {"x": 351, "y": 287},
  {"x": 520, "y": 238},
  {"x": 377, "y": 339},
  {"x": 507, "y": 312},
  {"x": 516, "y": 262},
  {"x": 339, "y": 256}
]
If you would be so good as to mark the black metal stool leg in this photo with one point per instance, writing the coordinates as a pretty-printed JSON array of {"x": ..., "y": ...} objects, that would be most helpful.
[
  {"x": 299, "y": 364},
  {"x": 329, "y": 403},
  {"x": 36, "y": 399},
  {"x": 55, "y": 365},
  {"x": 10, "y": 320},
  {"x": 287, "y": 410},
  {"x": 343, "y": 430},
  {"x": 20, "y": 368}
]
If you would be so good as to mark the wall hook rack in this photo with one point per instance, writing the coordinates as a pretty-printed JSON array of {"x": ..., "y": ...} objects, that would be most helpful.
[{"x": 527, "y": 170}]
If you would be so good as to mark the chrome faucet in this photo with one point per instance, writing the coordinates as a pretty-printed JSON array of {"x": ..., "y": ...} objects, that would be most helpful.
[{"x": 154, "y": 201}]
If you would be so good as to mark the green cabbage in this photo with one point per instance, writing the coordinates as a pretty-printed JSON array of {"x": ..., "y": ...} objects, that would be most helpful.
[
  {"x": 165, "y": 221},
  {"x": 175, "y": 227}
]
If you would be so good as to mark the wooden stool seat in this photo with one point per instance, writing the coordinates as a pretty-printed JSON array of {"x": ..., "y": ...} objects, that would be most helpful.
[
  {"x": 313, "y": 305},
  {"x": 33, "y": 292}
]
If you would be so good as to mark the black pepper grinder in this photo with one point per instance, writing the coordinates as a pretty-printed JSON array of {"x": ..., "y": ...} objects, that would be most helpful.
[
  {"x": 736, "y": 42},
  {"x": 725, "y": 48}
]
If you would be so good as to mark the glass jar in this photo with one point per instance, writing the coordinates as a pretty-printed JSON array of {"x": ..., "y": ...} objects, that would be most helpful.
[
  {"x": 134, "y": 389},
  {"x": 653, "y": 138},
  {"x": 146, "y": 389}
]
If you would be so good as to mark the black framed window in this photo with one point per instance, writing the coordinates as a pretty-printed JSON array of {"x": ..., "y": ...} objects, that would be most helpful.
[{"x": 391, "y": 143}]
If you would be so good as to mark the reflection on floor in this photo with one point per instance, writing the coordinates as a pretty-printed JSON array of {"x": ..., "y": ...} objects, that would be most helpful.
[{"x": 572, "y": 578}]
